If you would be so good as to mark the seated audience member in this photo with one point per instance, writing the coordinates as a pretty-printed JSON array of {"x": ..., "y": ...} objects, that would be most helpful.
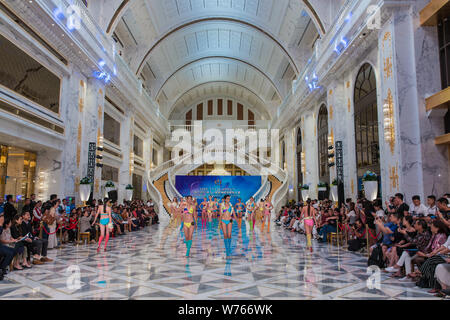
[
  {"x": 400, "y": 242},
  {"x": 19, "y": 248},
  {"x": 358, "y": 236},
  {"x": 442, "y": 275},
  {"x": 351, "y": 214},
  {"x": 72, "y": 226},
  {"x": 439, "y": 247},
  {"x": 17, "y": 233},
  {"x": 431, "y": 206},
  {"x": 6, "y": 253},
  {"x": 401, "y": 208},
  {"x": 438, "y": 237},
  {"x": 86, "y": 223},
  {"x": 414, "y": 243},
  {"x": 37, "y": 215},
  {"x": 417, "y": 209},
  {"x": 388, "y": 229},
  {"x": 330, "y": 224},
  {"x": 39, "y": 246},
  {"x": 443, "y": 212}
]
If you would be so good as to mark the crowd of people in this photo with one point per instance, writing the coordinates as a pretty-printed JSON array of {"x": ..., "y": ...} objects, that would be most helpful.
[
  {"x": 411, "y": 242},
  {"x": 26, "y": 236}
]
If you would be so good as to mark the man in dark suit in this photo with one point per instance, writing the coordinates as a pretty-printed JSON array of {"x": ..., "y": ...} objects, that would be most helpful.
[{"x": 9, "y": 209}]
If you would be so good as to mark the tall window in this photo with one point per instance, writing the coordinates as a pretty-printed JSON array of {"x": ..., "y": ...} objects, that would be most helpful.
[
  {"x": 299, "y": 162},
  {"x": 138, "y": 146},
  {"x": 366, "y": 122},
  {"x": 111, "y": 129},
  {"x": 322, "y": 139},
  {"x": 444, "y": 53}
]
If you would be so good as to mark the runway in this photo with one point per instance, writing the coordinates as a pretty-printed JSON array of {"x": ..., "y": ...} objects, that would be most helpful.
[{"x": 151, "y": 264}]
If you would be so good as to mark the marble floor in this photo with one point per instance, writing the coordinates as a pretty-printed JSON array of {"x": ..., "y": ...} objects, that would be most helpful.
[{"x": 151, "y": 264}]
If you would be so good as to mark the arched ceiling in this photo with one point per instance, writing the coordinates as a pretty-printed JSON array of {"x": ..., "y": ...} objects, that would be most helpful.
[
  {"x": 218, "y": 89},
  {"x": 175, "y": 45}
]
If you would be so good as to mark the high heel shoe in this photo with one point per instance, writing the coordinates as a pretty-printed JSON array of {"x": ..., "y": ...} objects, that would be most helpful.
[
  {"x": 17, "y": 268},
  {"x": 104, "y": 250},
  {"x": 98, "y": 249}
]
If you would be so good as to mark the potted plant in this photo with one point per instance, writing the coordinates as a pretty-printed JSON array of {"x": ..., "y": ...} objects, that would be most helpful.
[
  {"x": 129, "y": 192},
  {"x": 321, "y": 186},
  {"x": 109, "y": 186},
  {"x": 370, "y": 182},
  {"x": 85, "y": 189},
  {"x": 333, "y": 189},
  {"x": 305, "y": 191}
]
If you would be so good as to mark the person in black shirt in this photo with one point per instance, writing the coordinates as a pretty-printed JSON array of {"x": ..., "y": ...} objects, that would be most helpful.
[
  {"x": 27, "y": 205},
  {"x": 9, "y": 209},
  {"x": 39, "y": 246},
  {"x": 402, "y": 209}
]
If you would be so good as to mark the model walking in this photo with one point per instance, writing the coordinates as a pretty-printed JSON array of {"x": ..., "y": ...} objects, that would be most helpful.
[
  {"x": 226, "y": 221},
  {"x": 104, "y": 210},
  {"x": 309, "y": 219},
  {"x": 239, "y": 207},
  {"x": 189, "y": 221},
  {"x": 268, "y": 207},
  {"x": 251, "y": 207}
]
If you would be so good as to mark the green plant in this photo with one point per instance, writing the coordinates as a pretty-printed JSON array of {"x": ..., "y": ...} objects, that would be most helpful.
[
  {"x": 334, "y": 182},
  {"x": 370, "y": 176},
  {"x": 322, "y": 185},
  {"x": 129, "y": 187},
  {"x": 304, "y": 187},
  {"x": 85, "y": 180},
  {"x": 109, "y": 184}
]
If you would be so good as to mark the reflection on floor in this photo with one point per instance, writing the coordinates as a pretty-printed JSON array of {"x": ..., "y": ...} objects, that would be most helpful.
[{"x": 151, "y": 264}]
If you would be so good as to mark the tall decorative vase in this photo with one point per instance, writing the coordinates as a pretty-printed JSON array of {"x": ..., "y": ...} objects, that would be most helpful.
[
  {"x": 85, "y": 191},
  {"x": 107, "y": 190},
  {"x": 334, "y": 193},
  {"x": 129, "y": 194},
  {"x": 371, "y": 189},
  {"x": 305, "y": 194}
]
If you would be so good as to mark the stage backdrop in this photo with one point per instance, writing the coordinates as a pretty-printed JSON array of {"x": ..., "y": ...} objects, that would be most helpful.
[{"x": 217, "y": 186}]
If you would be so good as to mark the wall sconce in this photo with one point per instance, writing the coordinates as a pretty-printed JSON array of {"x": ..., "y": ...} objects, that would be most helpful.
[
  {"x": 331, "y": 151},
  {"x": 131, "y": 162}
]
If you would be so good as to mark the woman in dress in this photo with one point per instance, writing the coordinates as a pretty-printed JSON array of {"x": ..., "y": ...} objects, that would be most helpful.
[
  {"x": 309, "y": 219},
  {"x": 226, "y": 220},
  {"x": 189, "y": 221},
  {"x": 104, "y": 210},
  {"x": 268, "y": 207},
  {"x": 251, "y": 206},
  {"x": 52, "y": 224}
]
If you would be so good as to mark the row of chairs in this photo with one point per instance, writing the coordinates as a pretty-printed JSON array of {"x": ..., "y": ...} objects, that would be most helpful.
[{"x": 342, "y": 237}]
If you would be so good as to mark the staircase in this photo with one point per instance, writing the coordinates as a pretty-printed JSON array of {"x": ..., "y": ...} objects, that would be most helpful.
[{"x": 162, "y": 179}]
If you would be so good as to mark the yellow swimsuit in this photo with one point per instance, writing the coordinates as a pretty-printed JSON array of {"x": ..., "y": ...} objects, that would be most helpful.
[{"x": 190, "y": 211}]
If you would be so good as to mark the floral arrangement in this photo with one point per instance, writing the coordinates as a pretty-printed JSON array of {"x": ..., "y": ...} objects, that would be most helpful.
[
  {"x": 321, "y": 185},
  {"x": 370, "y": 176},
  {"x": 334, "y": 182},
  {"x": 304, "y": 187},
  {"x": 109, "y": 184},
  {"x": 129, "y": 187},
  {"x": 85, "y": 180}
]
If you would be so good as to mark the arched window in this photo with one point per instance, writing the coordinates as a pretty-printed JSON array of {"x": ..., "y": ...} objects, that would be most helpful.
[
  {"x": 366, "y": 123},
  {"x": 299, "y": 162},
  {"x": 322, "y": 138}
]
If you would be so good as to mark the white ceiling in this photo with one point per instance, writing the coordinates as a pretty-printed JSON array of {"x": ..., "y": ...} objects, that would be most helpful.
[{"x": 176, "y": 45}]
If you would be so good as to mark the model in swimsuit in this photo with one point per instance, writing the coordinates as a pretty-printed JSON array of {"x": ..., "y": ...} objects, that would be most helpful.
[
  {"x": 189, "y": 221},
  {"x": 309, "y": 219},
  {"x": 239, "y": 207},
  {"x": 251, "y": 207},
  {"x": 267, "y": 209},
  {"x": 105, "y": 219},
  {"x": 226, "y": 221},
  {"x": 210, "y": 210},
  {"x": 215, "y": 208},
  {"x": 259, "y": 210},
  {"x": 203, "y": 206}
]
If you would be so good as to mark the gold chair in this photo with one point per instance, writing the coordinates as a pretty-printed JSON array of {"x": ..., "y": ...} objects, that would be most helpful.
[
  {"x": 85, "y": 237},
  {"x": 338, "y": 236}
]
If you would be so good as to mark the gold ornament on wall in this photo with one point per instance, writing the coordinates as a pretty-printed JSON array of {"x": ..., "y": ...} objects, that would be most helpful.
[
  {"x": 77, "y": 184},
  {"x": 388, "y": 60},
  {"x": 349, "y": 105},
  {"x": 79, "y": 136},
  {"x": 352, "y": 186},
  {"x": 387, "y": 68},
  {"x": 100, "y": 112},
  {"x": 331, "y": 112},
  {"x": 96, "y": 185},
  {"x": 388, "y": 115},
  {"x": 348, "y": 84},
  {"x": 394, "y": 177},
  {"x": 331, "y": 92}
]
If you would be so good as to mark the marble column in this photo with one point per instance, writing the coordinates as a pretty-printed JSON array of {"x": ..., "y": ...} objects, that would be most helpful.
[
  {"x": 126, "y": 142},
  {"x": 290, "y": 144},
  {"x": 311, "y": 176},
  {"x": 92, "y": 128}
]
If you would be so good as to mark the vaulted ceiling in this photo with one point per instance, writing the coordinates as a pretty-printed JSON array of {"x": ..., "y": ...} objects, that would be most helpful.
[{"x": 175, "y": 46}]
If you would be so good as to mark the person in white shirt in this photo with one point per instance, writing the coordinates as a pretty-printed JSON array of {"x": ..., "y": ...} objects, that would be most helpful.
[
  {"x": 431, "y": 202},
  {"x": 417, "y": 209}
]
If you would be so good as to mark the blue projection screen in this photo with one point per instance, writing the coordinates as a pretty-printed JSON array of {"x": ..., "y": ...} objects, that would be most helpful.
[{"x": 199, "y": 187}]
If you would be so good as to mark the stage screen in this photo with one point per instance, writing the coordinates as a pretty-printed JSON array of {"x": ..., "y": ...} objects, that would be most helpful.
[{"x": 199, "y": 187}]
